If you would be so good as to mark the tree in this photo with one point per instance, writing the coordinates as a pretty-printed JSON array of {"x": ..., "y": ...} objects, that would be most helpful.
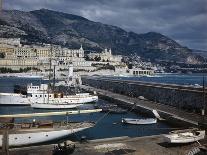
[
  {"x": 97, "y": 58},
  {"x": 2, "y": 55}
]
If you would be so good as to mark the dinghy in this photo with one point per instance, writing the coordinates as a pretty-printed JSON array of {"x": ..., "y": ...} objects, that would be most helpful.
[
  {"x": 185, "y": 136},
  {"x": 139, "y": 121}
]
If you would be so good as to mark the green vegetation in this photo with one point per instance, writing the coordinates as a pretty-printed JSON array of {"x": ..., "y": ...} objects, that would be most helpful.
[
  {"x": 21, "y": 70},
  {"x": 63, "y": 69},
  {"x": 2, "y": 55},
  {"x": 80, "y": 70},
  {"x": 103, "y": 66},
  {"x": 106, "y": 66},
  {"x": 62, "y": 74}
]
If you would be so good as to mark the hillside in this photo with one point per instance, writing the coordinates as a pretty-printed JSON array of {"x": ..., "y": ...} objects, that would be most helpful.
[{"x": 70, "y": 30}]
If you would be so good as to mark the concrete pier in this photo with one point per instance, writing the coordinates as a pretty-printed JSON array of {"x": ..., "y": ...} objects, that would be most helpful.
[
  {"x": 188, "y": 98},
  {"x": 150, "y": 145},
  {"x": 171, "y": 114}
]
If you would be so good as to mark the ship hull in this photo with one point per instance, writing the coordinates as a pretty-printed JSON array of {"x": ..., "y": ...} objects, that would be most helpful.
[
  {"x": 35, "y": 137},
  {"x": 54, "y": 106},
  {"x": 13, "y": 99}
]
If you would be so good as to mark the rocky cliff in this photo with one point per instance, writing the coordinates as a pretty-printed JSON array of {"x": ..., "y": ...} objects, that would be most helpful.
[{"x": 70, "y": 30}]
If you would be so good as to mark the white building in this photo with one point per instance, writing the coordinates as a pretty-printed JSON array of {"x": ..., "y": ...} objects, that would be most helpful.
[
  {"x": 105, "y": 55},
  {"x": 10, "y": 41}
]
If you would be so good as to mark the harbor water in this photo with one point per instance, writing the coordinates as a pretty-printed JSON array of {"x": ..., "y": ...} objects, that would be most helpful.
[{"x": 109, "y": 126}]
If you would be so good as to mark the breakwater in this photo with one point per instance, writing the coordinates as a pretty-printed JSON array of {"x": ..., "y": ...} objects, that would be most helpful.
[{"x": 182, "y": 97}]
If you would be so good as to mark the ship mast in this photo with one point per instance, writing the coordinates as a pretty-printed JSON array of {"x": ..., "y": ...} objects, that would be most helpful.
[
  {"x": 1, "y": 6},
  {"x": 50, "y": 67},
  {"x": 204, "y": 97},
  {"x": 53, "y": 77}
]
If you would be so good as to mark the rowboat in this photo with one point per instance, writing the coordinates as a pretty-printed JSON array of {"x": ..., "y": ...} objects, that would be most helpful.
[
  {"x": 139, "y": 121},
  {"x": 185, "y": 136}
]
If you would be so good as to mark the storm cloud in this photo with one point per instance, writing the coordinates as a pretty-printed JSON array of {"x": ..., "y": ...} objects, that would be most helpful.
[{"x": 182, "y": 20}]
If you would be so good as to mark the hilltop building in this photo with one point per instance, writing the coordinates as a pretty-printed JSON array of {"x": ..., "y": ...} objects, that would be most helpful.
[
  {"x": 15, "y": 56},
  {"x": 106, "y": 56},
  {"x": 10, "y": 41}
]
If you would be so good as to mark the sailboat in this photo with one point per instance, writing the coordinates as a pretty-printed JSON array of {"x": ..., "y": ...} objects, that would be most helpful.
[{"x": 20, "y": 134}]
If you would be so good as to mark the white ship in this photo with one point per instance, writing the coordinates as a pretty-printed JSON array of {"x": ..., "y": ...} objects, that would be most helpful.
[
  {"x": 41, "y": 97},
  {"x": 13, "y": 99}
]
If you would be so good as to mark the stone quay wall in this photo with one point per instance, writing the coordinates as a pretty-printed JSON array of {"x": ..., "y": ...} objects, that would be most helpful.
[{"x": 182, "y": 97}]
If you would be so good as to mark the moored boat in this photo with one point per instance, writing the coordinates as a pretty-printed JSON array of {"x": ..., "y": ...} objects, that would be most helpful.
[
  {"x": 13, "y": 99},
  {"x": 42, "y": 97},
  {"x": 139, "y": 121},
  {"x": 30, "y": 133},
  {"x": 185, "y": 136},
  {"x": 27, "y": 133},
  {"x": 54, "y": 106}
]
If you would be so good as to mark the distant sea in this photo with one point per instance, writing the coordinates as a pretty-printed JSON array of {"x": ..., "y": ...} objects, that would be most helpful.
[{"x": 182, "y": 79}]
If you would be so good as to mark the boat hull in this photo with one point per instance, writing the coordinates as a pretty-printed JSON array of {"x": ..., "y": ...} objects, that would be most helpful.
[
  {"x": 65, "y": 100},
  {"x": 20, "y": 139},
  {"x": 54, "y": 106},
  {"x": 13, "y": 99},
  {"x": 184, "y": 137},
  {"x": 139, "y": 121}
]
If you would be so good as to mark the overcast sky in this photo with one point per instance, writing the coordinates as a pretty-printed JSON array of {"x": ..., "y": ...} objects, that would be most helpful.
[{"x": 183, "y": 20}]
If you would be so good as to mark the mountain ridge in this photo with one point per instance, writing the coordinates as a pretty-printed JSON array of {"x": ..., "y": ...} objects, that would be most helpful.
[{"x": 72, "y": 30}]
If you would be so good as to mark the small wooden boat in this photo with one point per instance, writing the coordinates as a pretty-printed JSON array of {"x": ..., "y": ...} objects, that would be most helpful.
[
  {"x": 185, "y": 136},
  {"x": 139, "y": 121}
]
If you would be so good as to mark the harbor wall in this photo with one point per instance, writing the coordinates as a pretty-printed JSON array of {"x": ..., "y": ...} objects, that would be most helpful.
[{"x": 181, "y": 97}]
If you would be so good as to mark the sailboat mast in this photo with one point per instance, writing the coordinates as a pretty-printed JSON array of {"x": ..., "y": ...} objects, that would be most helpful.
[
  {"x": 204, "y": 97},
  {"x": 50, "y": 61},
  {"x": 53, "y": 77}
]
